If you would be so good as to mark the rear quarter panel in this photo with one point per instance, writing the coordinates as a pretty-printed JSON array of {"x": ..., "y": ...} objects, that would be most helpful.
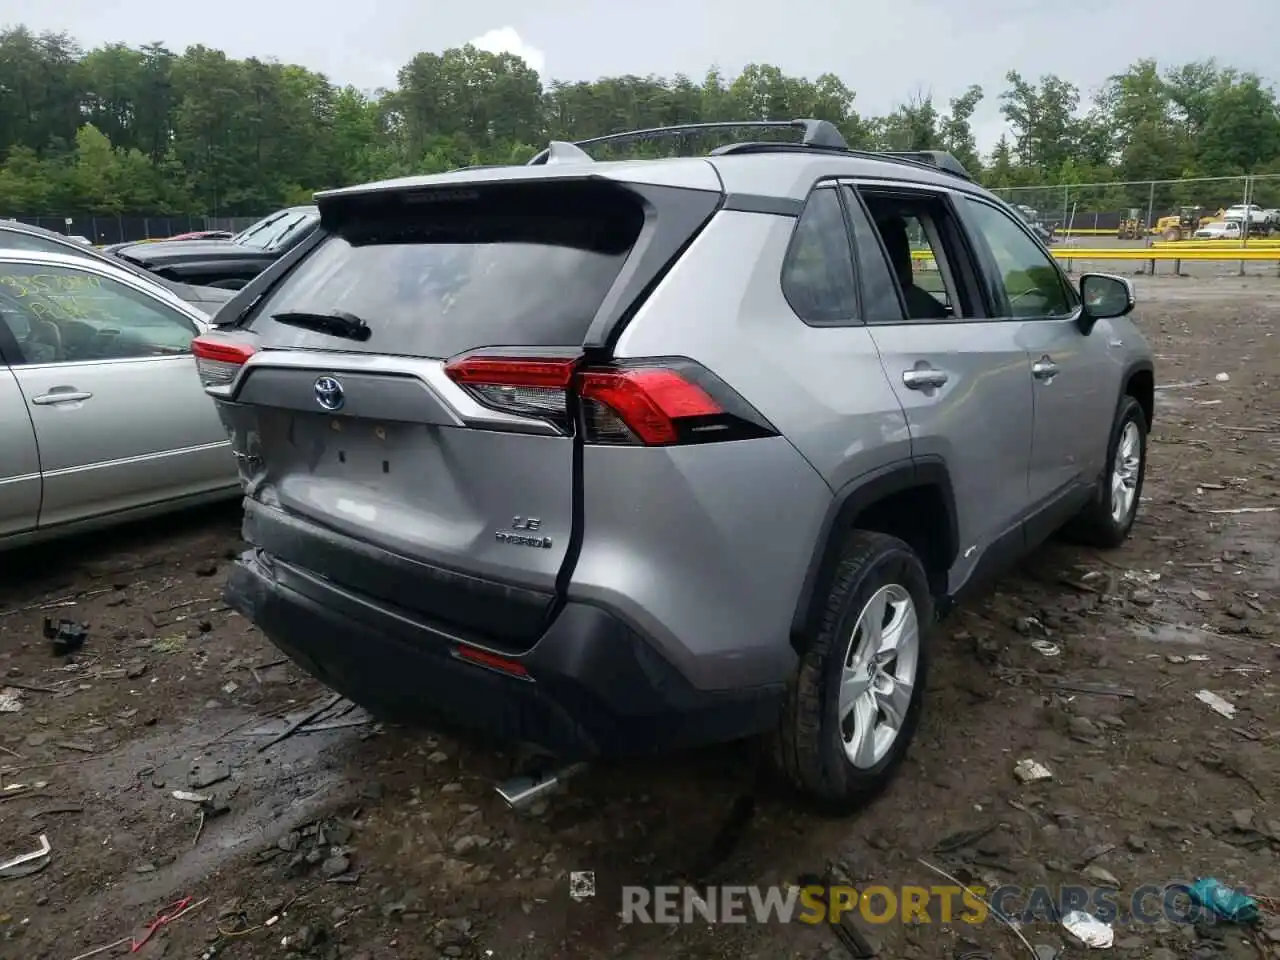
[{"x": 707, "y": 547}]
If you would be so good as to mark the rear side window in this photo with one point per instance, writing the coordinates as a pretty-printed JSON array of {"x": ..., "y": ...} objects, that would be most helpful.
[
  {"x": 817, "y": 274},
  {"x": 510, "y": 266}
]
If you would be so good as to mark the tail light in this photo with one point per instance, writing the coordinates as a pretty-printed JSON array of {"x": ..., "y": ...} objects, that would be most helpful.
[
  {"x": 648, "y": 403},
  {"x": 218, "y": 361}
]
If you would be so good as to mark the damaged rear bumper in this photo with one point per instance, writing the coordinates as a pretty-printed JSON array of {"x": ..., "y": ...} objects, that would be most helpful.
[{"x": 591, "y": 685}]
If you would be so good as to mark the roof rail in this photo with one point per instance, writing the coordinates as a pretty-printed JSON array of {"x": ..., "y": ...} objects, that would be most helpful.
[
  {"x": 933, "y": 158},
  {"x": 820, "y": 134}
]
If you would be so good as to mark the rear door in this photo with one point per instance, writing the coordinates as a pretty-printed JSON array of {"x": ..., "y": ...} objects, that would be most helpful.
[
  {"x": 961, "y": 374},
  {"x": 110, "y": 387},
  {"x": 370, "y": 463}
]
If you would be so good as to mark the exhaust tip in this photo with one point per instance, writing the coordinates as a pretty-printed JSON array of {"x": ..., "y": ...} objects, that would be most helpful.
[{"x": 522, "y": 792}]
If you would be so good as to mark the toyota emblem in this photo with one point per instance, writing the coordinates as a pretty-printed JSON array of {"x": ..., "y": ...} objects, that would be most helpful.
[{"x": 329, "y": 393}]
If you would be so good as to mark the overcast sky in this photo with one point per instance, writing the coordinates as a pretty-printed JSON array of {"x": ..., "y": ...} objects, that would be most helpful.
[{"x": 884, "y": 51}]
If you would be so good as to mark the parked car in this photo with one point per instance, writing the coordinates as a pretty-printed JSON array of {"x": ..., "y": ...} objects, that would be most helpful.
[
  {"x": 24, "y": 236},
  {"x": 223, "y": 263},
  {"x": 102, "y": 418},
  {"x": 607, "y": 457},
  {"x": 1219, "y": 230}
]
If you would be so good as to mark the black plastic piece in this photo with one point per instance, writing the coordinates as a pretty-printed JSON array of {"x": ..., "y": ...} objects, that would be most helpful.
[
  {"x": 67, "y": 636},
  {"x": 752, "y": 203},
  {"x": 821, "y": 134}
]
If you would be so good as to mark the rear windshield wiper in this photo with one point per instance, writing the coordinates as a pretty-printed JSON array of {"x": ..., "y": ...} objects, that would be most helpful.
[{"x": 336, "y": 324}]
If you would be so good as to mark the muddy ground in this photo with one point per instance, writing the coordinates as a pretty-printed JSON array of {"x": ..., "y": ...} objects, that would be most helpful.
[{"x": 355, "y": 841}]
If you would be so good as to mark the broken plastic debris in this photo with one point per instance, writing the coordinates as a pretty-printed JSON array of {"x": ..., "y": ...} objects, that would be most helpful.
[
  {"x": 1090, "y": 931},
  {"x": 9, "y": 702},
  {"x": 1225, "y": 903},
  {"x": 1142, "y": 576},
  {"x": 1215, "y": 703},
  {"x": 18, "y": 861},
  {"x": 1222, "y": 377},
  {"x": 190, "y": 797},
  {"x": 1031, "y": 771},
  {"x": 1046, "y": 648},
  {"x": 67, "y": 636}
]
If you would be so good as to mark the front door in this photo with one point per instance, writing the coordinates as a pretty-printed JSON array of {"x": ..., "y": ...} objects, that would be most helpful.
[
  {"x": 1071, "y": 371},
  {"x": 111, "y": 389}
]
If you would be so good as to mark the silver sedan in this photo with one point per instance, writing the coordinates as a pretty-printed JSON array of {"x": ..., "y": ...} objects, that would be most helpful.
[{"x": 102, "y": 417}]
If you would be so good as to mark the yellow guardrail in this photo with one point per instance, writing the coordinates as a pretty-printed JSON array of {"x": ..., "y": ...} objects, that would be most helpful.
[
  {"x": 1173, "y": 252},
  {"x": 1215, "y": 245}
]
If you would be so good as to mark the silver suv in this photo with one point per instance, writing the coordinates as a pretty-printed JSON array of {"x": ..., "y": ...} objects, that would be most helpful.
[{"x": 602, "y": 457}]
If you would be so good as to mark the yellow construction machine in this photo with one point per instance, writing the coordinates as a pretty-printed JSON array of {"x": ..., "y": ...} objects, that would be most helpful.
[
  {"x": 1131, "y": 227},
  {"x": 1181, "y": 225}
]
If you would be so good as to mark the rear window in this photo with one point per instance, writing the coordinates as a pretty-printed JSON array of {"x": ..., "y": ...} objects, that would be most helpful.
[{"x": 525, "y": 265}]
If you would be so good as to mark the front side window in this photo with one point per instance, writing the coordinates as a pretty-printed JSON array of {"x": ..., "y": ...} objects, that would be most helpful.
[
  {"x": 59, "y": 314},
  {"x": 1031, "y": 281}
]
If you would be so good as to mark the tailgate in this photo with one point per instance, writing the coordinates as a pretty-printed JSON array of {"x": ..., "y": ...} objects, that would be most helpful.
[{"x": 368, "y": 459}]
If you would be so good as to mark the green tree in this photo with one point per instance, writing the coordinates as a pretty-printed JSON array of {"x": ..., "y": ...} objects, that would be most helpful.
[{"x": 146, "y": 131}]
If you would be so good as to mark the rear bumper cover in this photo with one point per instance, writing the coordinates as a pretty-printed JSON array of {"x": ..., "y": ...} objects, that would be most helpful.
[{"x": 593, "y": 686}]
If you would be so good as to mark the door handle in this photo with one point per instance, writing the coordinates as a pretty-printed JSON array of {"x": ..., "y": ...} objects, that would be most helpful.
[
  {"x": 61, "y": 395},
  {"x": 925, "y": 379},
  {"x": 1044, "y": 369}
]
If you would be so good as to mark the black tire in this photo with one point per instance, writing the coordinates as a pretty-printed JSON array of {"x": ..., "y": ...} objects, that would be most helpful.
[
  {"x": 809, "y": 746},
  {"x": 1097, "y": 524}
]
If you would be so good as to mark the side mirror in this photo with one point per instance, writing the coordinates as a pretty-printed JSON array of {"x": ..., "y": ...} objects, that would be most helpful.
[{"x": 1105, "y": 297}]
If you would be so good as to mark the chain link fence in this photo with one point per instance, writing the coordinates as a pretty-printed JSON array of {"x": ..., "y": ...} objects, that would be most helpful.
[
  {"x": 1136, "y": 208},
  {"x": 105, "y": 230}
]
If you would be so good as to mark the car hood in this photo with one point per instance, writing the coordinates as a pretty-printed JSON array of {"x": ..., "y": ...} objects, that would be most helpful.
[{"x": 169, "y": 251}]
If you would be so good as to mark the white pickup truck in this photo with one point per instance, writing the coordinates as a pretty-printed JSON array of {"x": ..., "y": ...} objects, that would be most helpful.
[{"x": 1259, "y": 220}]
